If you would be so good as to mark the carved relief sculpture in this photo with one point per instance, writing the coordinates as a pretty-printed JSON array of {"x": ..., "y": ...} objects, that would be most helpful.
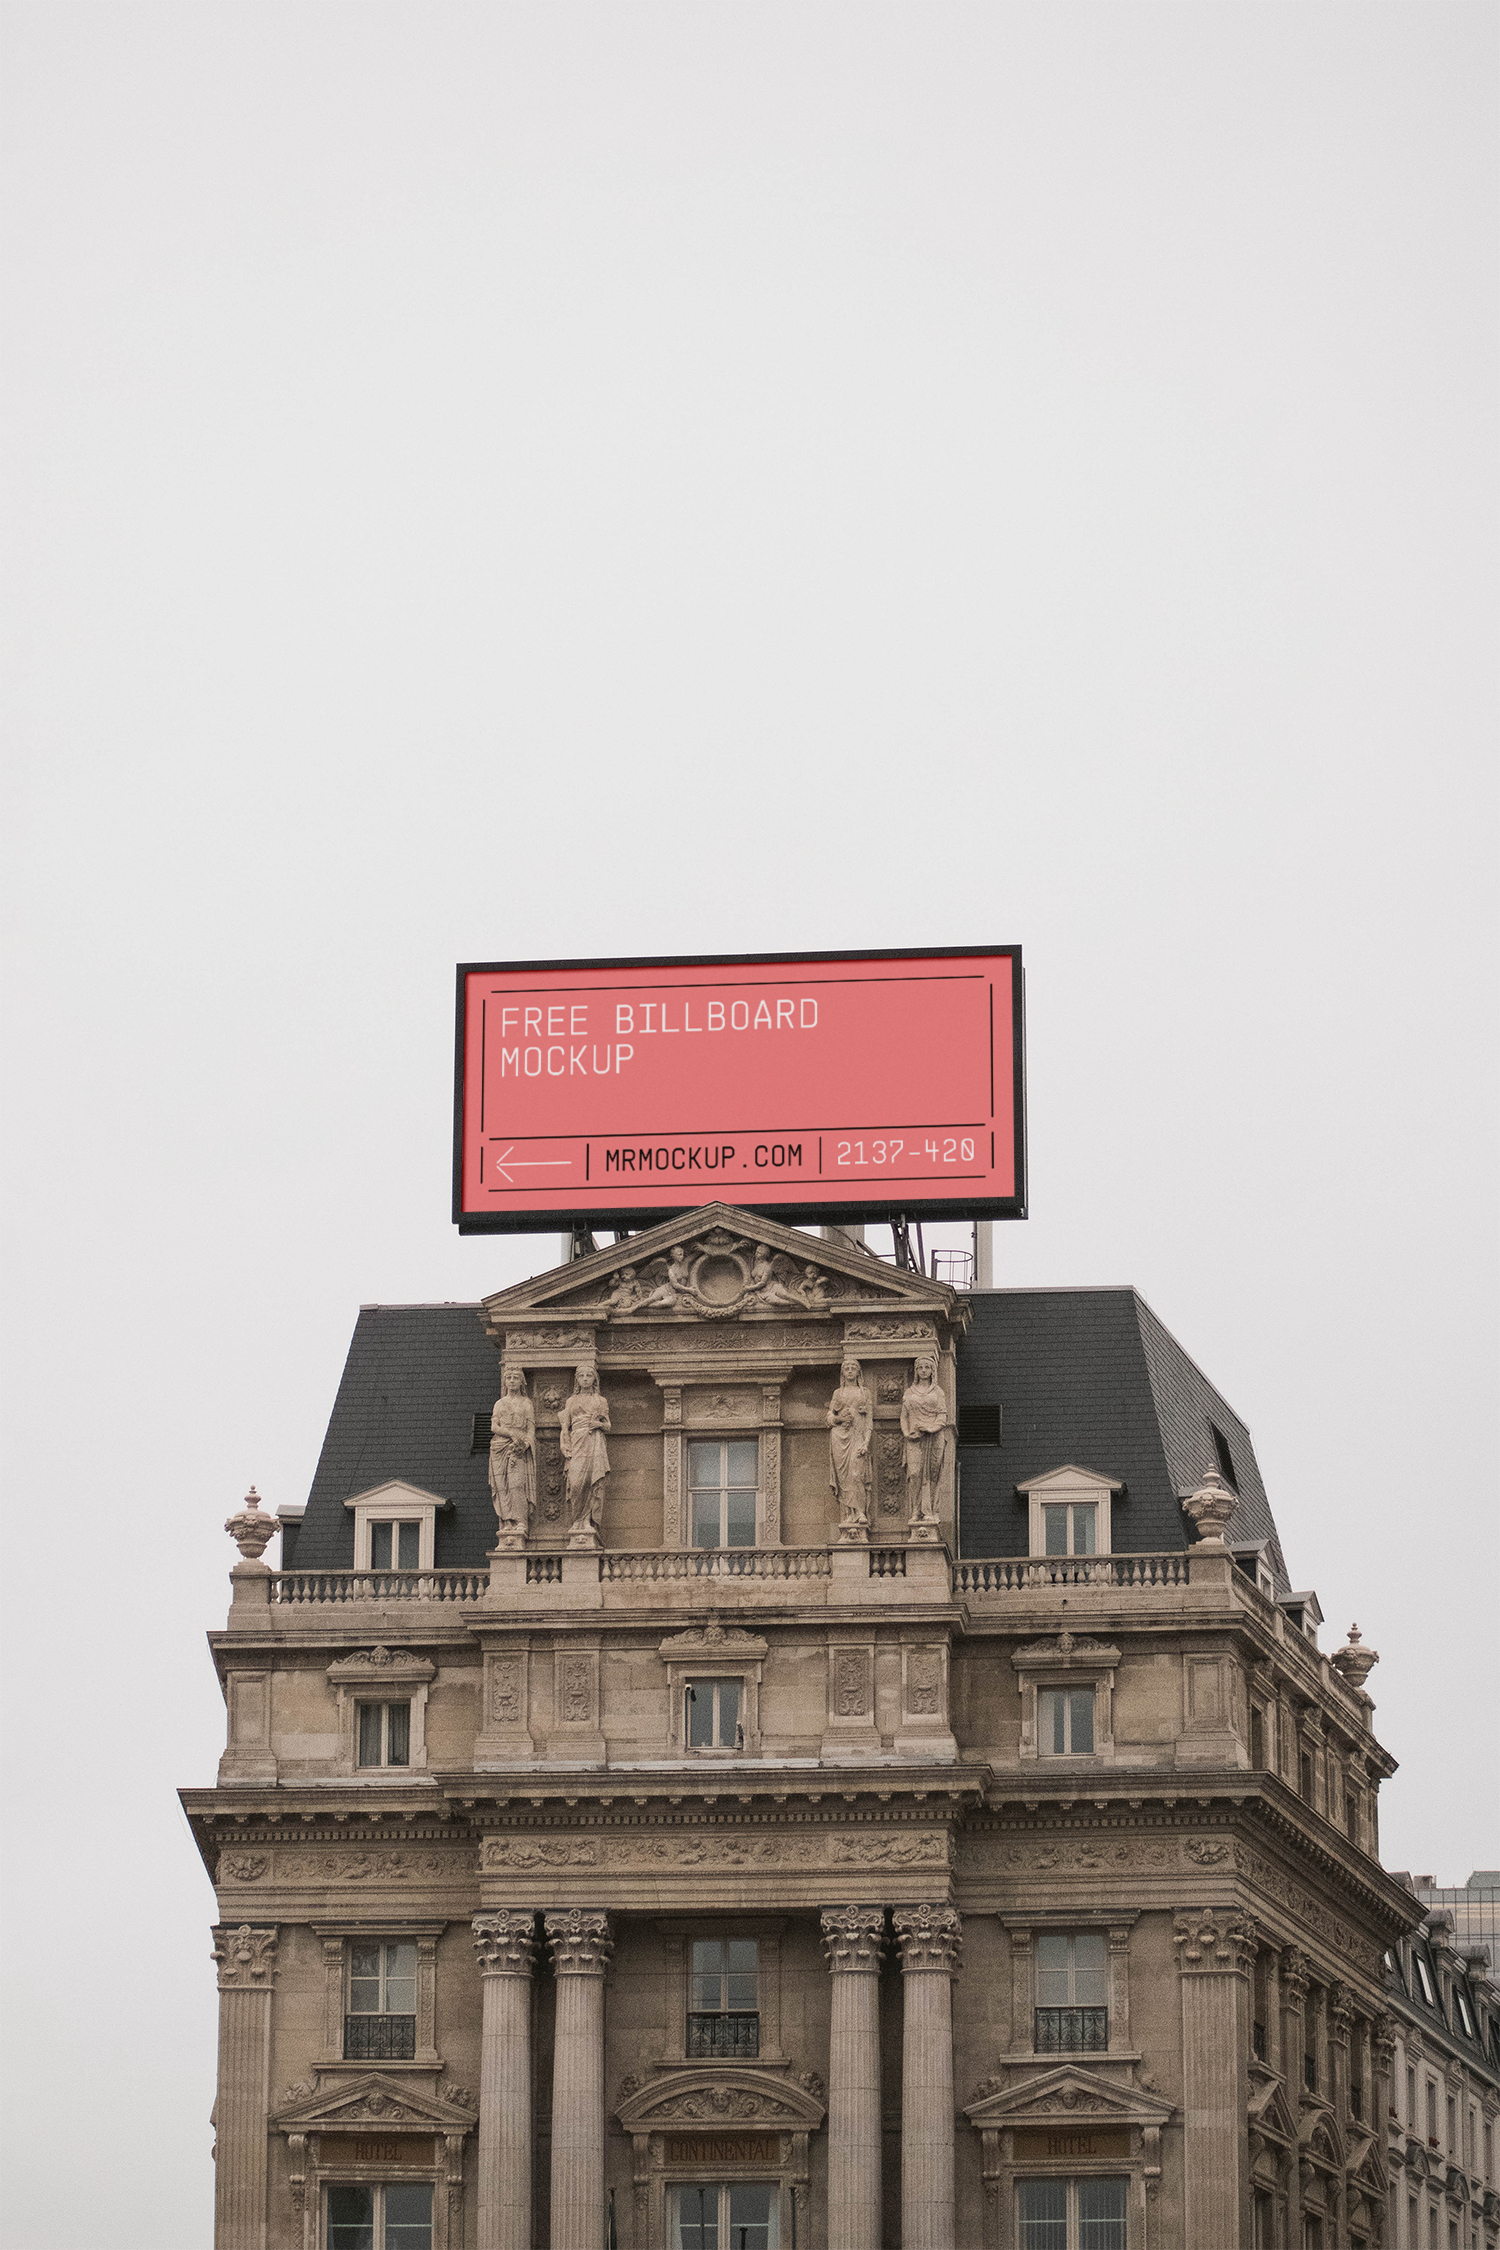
[
  {"x": 585, "y": 1419},
  {"x": 926, "y": 1427},
  {"x": 851, "y": 1419},
  {"x": 513, "y": 1460}
]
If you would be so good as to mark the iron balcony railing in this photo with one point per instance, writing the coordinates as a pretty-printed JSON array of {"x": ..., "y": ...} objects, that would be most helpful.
[
  {"x": 718, "y": 2036},
  {"x": 1071, "y": 2031},
  {"x": 380, "y": 2038}
]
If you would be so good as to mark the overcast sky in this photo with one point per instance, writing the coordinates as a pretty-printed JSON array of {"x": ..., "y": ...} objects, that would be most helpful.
[{"x": 494, "y": 481}]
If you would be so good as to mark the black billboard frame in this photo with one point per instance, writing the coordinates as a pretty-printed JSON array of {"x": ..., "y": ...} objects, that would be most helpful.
[{"x": 637, "y": 1218}]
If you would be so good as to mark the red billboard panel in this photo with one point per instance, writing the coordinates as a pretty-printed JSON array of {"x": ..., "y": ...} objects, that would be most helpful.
[{"x": 820, "y": 1086}]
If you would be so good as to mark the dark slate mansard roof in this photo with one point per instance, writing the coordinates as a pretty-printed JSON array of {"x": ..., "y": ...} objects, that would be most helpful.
[{"x": 1087, "y": 1376}]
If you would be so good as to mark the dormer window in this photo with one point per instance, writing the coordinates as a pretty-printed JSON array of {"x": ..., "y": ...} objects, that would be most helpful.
[
  {"x": 1224, "y": 1457},
  {"x": 1070, "y": 1513},
  {"x": 395, "y": 1526},
  {"x": 1424, "y": 1979}
]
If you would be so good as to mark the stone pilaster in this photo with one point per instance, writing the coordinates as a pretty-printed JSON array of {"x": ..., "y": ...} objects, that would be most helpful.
[
  {"x": 1214, "y": 1953},
  {"x": 929, "y": 1938},
  {"x": 506, "y": 1945},
  {"x": 1341, "y": 2021},
  {"x": 1294, "y": 1983},
  {"x": 247, "y": 1967},
  {"x": 853, "y": 1937},
  {"x": 581, "y": 1946}
]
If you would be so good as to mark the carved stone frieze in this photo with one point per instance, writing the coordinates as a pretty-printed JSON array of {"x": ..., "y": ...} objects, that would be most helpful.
[
  {"x": 930, "y": 1938},
  {"x": 891, "y": 1331},
  {"x": 580, "y": 1942},
  {"x": 380, "y": 1867},
  {"x": 246, "y": 1957},
  {"x": 933, "y": 1848},
  {"x": 1309, "y": 1913},
  {"x": 712, "y": 1639},
  {"x": 505, "y": 1942},
  {"x": 243, "y": 1867},
  {"x": 853, "y": 1938}
]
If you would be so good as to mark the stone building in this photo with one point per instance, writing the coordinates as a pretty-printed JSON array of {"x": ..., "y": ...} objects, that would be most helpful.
[
  {"x": 751, "y": 1749},
  {"x": 1443, "y": 2119}
]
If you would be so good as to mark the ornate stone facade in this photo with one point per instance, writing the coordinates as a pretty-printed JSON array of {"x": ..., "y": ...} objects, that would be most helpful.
[{"x": 822, "y": 1862}]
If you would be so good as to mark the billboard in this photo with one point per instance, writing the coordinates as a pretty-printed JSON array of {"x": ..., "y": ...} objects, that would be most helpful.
[{"x": 832, "y": 1086}]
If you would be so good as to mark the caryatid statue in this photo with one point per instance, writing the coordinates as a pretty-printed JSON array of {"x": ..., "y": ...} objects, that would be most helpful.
[
  {"x": 513, "y": 1459},
  {"x": 925, "y": 1425},
  {"x": 585, "y": 1419},
  {"x": 851, "y": 1419}
]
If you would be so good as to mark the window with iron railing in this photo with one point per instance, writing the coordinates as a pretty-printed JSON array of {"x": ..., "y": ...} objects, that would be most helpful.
[
  {"x": 1072, "y": 1995},
  {"x": 380, "y": 2020},
  {"x": 724, "y": 1998}
]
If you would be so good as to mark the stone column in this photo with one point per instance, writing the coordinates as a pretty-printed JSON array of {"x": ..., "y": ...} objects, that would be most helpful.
[
  {"x": 581, "y": 1946},
  {"x": 1340, "y": 2020},
  {"x": 853, "y": 1937},
  {"x": 929, "y": 1938},
  {"x": 1214, "y": 1953},
  {"x": 247, "y": 1966},
  {"x": 506, "y": 1945}
]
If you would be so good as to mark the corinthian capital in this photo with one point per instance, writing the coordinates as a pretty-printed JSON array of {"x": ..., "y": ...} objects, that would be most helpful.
[
  {"x": 246, "y": 1958},
  {"x": 929, "y": 1937},
  {"x": 581, "y": 1943},
  {"x": 1210, "y": 1941},
  {"x": 1295, "y": 1975},
  {"x": 505, "y": 1942},
  {"x": 853, "y": 1937}
]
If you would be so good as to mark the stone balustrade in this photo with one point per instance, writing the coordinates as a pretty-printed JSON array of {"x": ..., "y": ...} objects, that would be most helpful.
[
  {"x": 715, "y": 1562},
  {"x": 378, "y": 1585},
  {"x": 1026, "y": 1574}
]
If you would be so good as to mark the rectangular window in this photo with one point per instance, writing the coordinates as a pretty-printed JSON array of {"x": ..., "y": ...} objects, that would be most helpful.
[
  {"x": 1071, "y": 2214},
  {"x": 385, "y": 1734},
  {"x": 720, "y": 2215},
  {"x": 1224, "y": 1457},
  {"x": 712, "y": 1715},
  {"x": 380, "y": 2020},
  {"x": 1424, "y": 1979},
  {"x": 722, "y": 1478},
  {"x": 1465, "y": 2020},
  {"x": 397, "y": 2216},
  {"x": 1065, "y": 1722},
  {"x": 395, "y": 1546},
  {"x": 1265, "y": 2221},
  {"x": 1452, "y": 2126},
  {"x": 1257, "y": 1736},
  {"x": 1072, "y": 1993},
  {"x": 724, "y": 1997},
  {"x": 1068, "y": 1527},
  {"x": 1307, "y": 1777}
]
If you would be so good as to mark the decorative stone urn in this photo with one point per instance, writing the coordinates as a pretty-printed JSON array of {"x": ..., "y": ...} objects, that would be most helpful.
[
  {"x": 251, "y": 1531},
  {"x": 1356, "y": 1662},
  {"x": 1210, "y": 1504}
]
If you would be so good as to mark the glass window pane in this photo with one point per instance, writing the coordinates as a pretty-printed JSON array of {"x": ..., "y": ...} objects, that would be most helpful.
[
  {"x": 750, "y": 2215},
  {"x": 697, "y": 2218},
  {"x": 708, "y": 1977},
  {"x": 398, "y": 1734},
  {"x": 409, "y": 1546},
  {"x": 1082, "y": 1700},
  {"x": 741, "y": 1515},
  {"x": 700, "y": 1715},
  {"x": 1090, "y": 1971},
  {"x": 744, "y": 1953},
  {"x": 369, "y": 1734},
  {"x": 744, "y": 1466},
  {"x": 408, "y": 2216},
  {"x": 380, "y": 1546},
  {"x": 703, "y": 1463},
  {"x": 705, "y": 1519},
  {"x": 401, "y": 1980},
  {"x": 743, "y": 1989},
  {"x": 729, "y": 1713},
  {"x": 1051, "y": 1722},
  {"x": 351, "y": 2217},
  {"x": 1042, "y": 2207},
  {"x": 1083, "y": 1530},
  {"x": 1055, "y": 1522},
  {"x": 1101, "y": 2215},
  {"x": 1052, "y": 1970}
]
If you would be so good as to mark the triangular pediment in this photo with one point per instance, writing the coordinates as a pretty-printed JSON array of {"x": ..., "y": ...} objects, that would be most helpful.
[
  {"x": 397, "y": 1492},
  {"x": 717, "y": 1263},
  {"x": 1071, "y": 1478},
  {"x": 1066, "y": 2096},
  {"x": 1270, "y": 2112},
  {"x": 356, "y": 2104},
  {"x": 723, "y": 2098}
]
